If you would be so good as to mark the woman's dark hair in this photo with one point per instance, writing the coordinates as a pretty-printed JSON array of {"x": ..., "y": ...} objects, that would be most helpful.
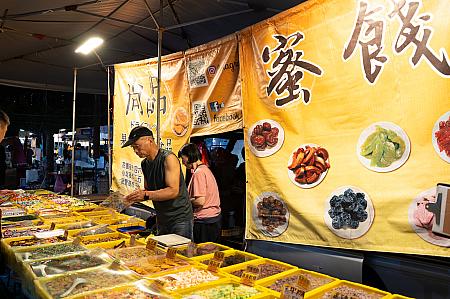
[
  {"x": 4, "y": 119},
  {"x": 191, "y": 151}
]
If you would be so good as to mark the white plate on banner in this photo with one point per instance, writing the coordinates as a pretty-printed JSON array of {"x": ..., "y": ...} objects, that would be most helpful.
[
  {"x": 268, "y": 150},
  {"x": 389, "y": 126},
  {"x": 291, "y": 174},
  {"x": 442, "y": 154},
  {"x": 350, "y": 233},
  {"x": 258, "y": 221},
  {"x": 425, "y": 233}
]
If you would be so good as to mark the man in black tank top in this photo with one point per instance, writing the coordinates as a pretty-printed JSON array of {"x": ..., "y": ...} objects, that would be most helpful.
[{"x": 164, "y": 184}]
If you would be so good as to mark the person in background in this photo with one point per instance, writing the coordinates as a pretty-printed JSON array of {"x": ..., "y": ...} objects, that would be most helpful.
[
  {"x": 4, "y": 123},
  {"x": 204, "y": 195},
  {"x": 163, "y": 184}
]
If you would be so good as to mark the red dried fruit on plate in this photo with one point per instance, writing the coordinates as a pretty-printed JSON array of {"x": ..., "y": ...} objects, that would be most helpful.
[
  {"x": 271, "y": 140},
  {"x": 267, "y": 126},
  {"x": 258, "y": 130},
  {"x": 258, "y": 141},
  {"x": 274, "y": 131}
]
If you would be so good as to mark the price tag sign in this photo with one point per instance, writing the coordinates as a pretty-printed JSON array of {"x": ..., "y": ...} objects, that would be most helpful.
[
  {"x": 133, "y": 240},
  {"x": 191, "y": 249},
  {"x": 219, "y": 256},
  {"x": 214, "y": 265},
  {"x": 171, "y": 253},
  {"x": 115, "y": 265},
  {"x": 77, "y": 241},
  {"x": 303, "y": 283},
  {"x": 248, "y": 278},
  {"x": 291, "y": 292},
  {"x": 151, "y": 244},
  {"x": 52, "y": 226},
  {"x": 66, "y": 235},
  {"x": 253, "y": 269},
  {"x": 158, "y": 284}
]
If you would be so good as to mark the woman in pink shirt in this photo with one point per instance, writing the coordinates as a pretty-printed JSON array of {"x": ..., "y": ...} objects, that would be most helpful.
[{"x": 204, "y": 195}]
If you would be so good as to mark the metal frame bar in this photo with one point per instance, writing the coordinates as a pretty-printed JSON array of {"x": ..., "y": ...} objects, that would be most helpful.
[
  {"x": 73, "y": 128},
  {"x": 109, "y": 131},
  {"x": 209, "y": 19}
]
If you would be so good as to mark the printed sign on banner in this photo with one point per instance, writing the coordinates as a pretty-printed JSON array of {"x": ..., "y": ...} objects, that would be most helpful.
[
  {"x": 135, "y": 102},
  {"x": 214, "y": 87}
]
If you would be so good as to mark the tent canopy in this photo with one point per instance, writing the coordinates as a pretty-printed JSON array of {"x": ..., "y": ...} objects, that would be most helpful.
[{"x": 37, "y": 40}]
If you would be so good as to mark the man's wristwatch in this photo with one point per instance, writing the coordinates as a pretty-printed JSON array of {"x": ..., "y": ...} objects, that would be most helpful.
[{"x": 146, "y": 197}]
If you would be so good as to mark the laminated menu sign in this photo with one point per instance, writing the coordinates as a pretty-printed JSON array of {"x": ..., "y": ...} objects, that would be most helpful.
[
  {"x": 214, "y": 265},
  {"x": 248, "y": 278},
  {"x": 303, "y": 282},
  {"x": 253, "y": 269},
  {"x": 219, "y": 255},
  {"x": 291, "y": 292},
  {"x": 171, "y": 253},
  {"x": 151, "y": 244}
]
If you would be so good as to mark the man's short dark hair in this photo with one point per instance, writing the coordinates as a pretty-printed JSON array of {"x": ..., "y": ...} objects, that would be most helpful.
[
  {"x": 4, "y": 119},
  {"x": 191, "y": 151}
]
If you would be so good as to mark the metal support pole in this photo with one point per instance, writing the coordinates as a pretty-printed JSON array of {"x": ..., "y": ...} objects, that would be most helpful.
[
  {"x": 158, "y": 92},
  {"x": 73, "y": 127},
  {"x": 109, "y": 131}
]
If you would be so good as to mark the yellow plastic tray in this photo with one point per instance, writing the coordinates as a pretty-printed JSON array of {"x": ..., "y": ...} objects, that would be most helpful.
[
  {"x": 31, "y": 223},
  {"x": 15, "y": 248},
  {"x": 193, "y": 290},
  {"x": 201, "y": 256},
  {"x": 397, "y": 296},
  {"x": 318, "y": 293},
  {"x": 45, "y": 226},
  {"x": 71, "y": 224},
  {"x": 182, "y": 263},
  {"x": 98, "y": 211},
  {"x": 158, "y": 276},
  {"x": 266, "y": 282},
  {"x": 75, "y": 232},
  {"x": 102, "y": 255},
  {"x": 100, "y": 238},
  {"x": 204, "y": 259},
  {"x": 140, "y": 285},
  {"x": 257, "y": 262},
  {"x": 159, "y": 251},
  {"x": 20, "y": 253},
  {"x": 42, "y": 291},
  {"x": 112, "y": 244},
  {"x": 64, "y": 219}
]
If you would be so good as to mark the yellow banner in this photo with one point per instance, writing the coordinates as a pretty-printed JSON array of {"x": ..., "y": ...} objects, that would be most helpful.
[
  {"x": 214, "y": 87},
  {"x": 345, "y": 104},
  {"x": 135, "y": 103}
]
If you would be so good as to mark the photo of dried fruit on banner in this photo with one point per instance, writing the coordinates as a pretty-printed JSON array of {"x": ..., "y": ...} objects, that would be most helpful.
[
  {"x": 421, "y": 220},
  {"x": 349, "y": 212},
  {"x": 180, "y": 121},
  {"x": 441, "y": 137},
  {"x": 265, "y": 137},
  {"x": 308, "y": 165},
  {"x": 383, "y": 147},
  {"x": 270, "y": 214}
]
